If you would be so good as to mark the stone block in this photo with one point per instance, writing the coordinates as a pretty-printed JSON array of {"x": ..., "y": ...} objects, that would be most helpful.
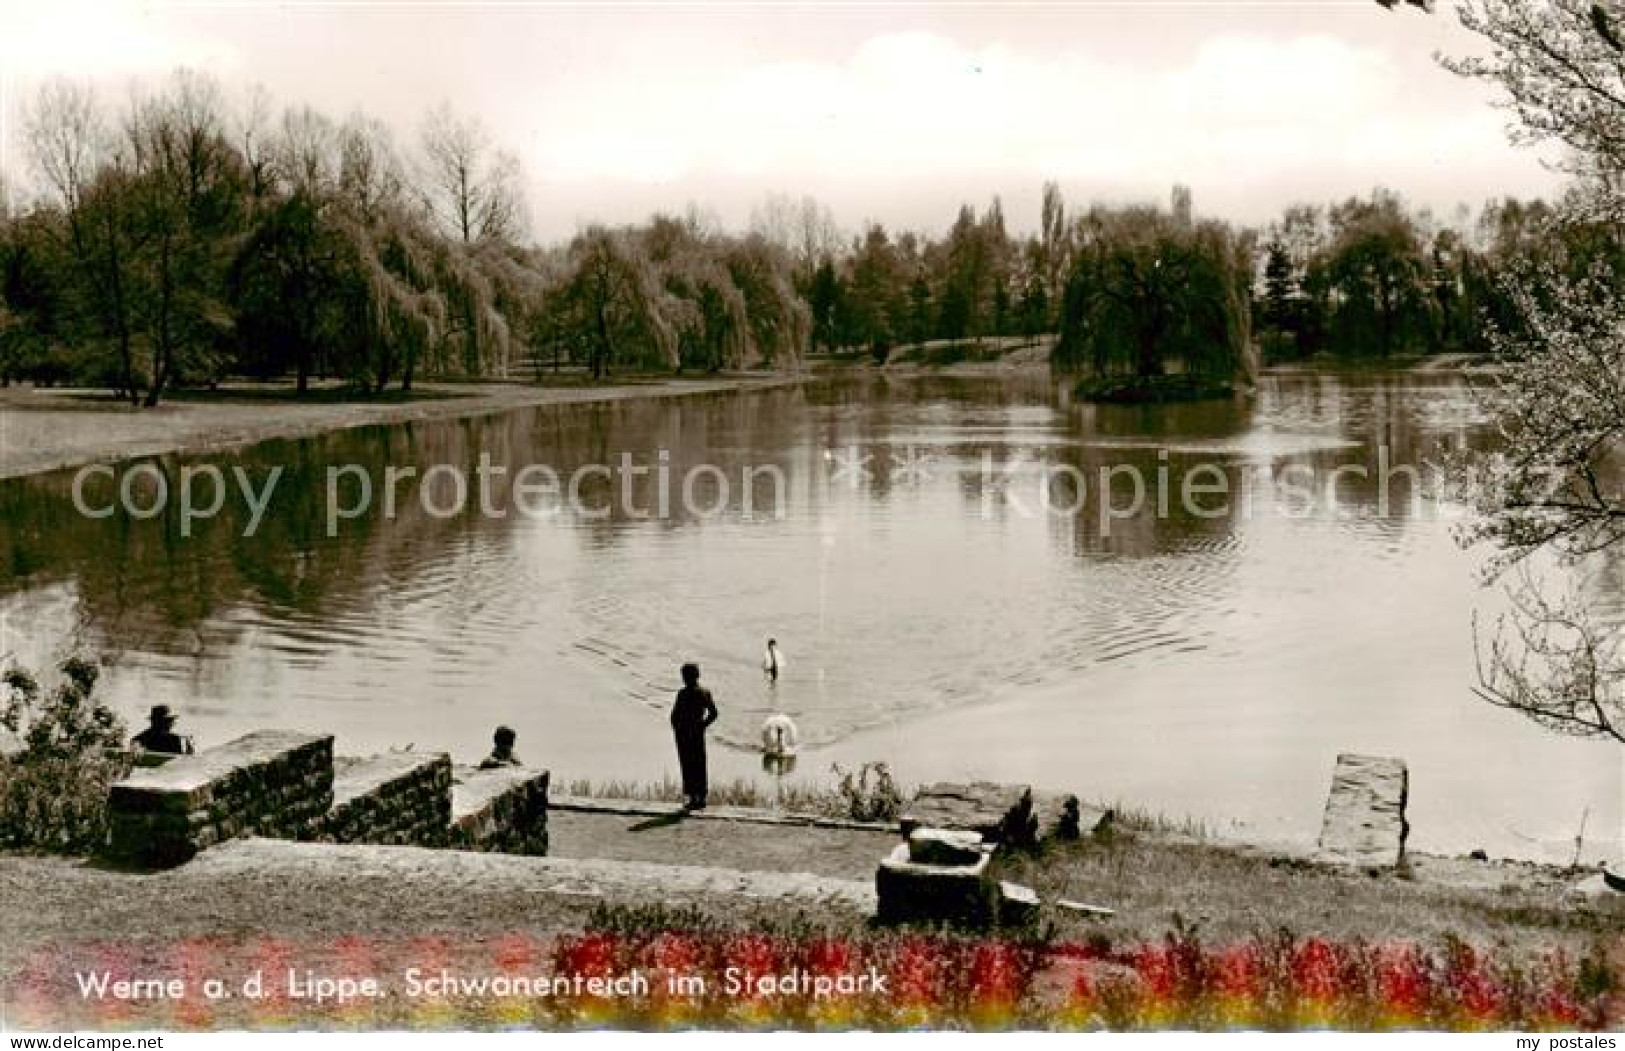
[
  {"x": 1018, "y": 905},
  {"x": 936, "y": 846},
  {"x": 1060, "y": 816},
  {"x": 1365, "y": 823},
  {"x": 1002, "y": 813},
  {"x": 908, "y": 892}
]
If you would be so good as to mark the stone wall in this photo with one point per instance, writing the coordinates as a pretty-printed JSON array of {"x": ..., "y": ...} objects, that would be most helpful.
[
  {"x": 269, "y": 783},
  {"x": 503, "y": 810},
  {"x": 401, "y": 798}
]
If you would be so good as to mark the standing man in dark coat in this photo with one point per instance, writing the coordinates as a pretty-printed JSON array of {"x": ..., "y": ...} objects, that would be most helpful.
[{"x": 693, "y": 712}]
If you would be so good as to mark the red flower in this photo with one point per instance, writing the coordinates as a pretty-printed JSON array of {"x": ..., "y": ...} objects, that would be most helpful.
[
  {"x": 1237, "y": 971},
  {"x": 994, "y": 974},
  {"x": 590, "y": 955},
  {"x": 1315, "y": 969},
  {"x": 914, "y": 971},
  {"x": 829, "y": 956},
  {"x": 1403, "y": 979},
  {"x": 1159, "y": 970}
]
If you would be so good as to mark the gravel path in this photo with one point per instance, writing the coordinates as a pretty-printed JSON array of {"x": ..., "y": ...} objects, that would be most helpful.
[
  {"x": 301, "y": 891},
  {"x": 459, "y": 872},
  {"x": 848, "y": 854},
  {"x": 270, "y": 904}
]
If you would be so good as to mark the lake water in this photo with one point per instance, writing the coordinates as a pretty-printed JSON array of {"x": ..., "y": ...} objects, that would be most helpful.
[{"x": 1207, "y": 660}]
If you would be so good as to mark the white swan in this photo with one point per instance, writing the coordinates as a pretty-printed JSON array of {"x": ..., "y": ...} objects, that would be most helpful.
[
  {"x": 772, "y": 661},
  {"x": 779, "y": 736}
]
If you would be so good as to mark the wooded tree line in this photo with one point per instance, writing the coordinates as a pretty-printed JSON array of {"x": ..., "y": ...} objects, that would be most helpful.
[
  {"x": 1128, "y": 289},
  {"x": 883, "y": 290},
  {"x": 179, "y": 239},
  {"x": 1139, "y": 289},
  {"x": 182, "y": 236},
  {"x": 1371, "y": 277}
]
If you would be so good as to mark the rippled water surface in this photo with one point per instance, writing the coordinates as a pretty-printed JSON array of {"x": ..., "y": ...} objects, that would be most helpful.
[{"x": 933, "y": 610}]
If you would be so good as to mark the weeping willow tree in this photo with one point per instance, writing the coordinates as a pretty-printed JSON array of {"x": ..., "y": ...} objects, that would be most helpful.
[
  {"x": 780, "y": 321},
  {"x": 484, "y": 286},
  {"x": 1152, "y": 295},
  {"x": 396, "y": 314},
  {"x": 672, "y": 295},
  {"x": 375, "y": 297},
  {"x": 320, "y": 291},
  {"x": 702, "y": 300},
  {"x": 711, "y": 314},
  {"x": 611, "y": 310},
  {"x": 346, "y": 274}
]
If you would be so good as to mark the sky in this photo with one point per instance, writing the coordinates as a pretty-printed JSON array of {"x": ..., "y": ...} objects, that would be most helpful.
[{"x": 895, "y": 113}]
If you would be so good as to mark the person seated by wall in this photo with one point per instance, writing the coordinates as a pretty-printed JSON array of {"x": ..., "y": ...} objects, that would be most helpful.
[
  {"x": 502, "y": 753},
  {"x": 160, "y": 737}
]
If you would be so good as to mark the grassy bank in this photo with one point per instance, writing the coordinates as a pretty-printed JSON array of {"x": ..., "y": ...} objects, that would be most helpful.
[
  {"x": 1230, "y": 892},
  {"x": 866, "y": 794},
  {"x": 798, "y": 797},
  {"x": 1155, "y": 871},
  {"x": 1185, "y": 931},
  {"x": 1201, "y": 936},
  {"x": 44, "y": 430}
]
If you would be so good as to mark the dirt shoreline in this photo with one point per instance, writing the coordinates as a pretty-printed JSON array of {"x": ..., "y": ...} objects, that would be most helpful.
[{"x": 43, "y": 430}]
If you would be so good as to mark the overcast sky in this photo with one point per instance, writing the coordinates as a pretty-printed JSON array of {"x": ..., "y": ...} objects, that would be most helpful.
[{"x": 888, "y": 112}]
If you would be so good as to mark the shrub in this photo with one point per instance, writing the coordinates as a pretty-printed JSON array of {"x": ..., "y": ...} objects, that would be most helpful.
[
  {"x": 53, "y": 793},
  {"x": 880, "y": 800}
]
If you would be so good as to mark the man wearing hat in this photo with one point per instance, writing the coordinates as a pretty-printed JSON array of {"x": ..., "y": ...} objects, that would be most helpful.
[{"x": 161, "y": 735}]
